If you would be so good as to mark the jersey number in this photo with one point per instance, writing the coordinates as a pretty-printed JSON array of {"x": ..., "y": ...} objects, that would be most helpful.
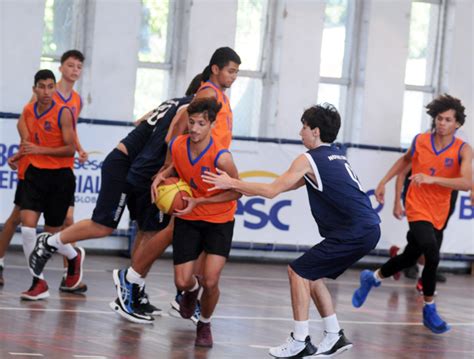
[{"x": 353, "y": 175}]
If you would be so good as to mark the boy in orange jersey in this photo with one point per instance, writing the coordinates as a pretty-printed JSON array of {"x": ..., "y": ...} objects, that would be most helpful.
[
  {"x": 218, "y": 76},
  {"x": 49, "y": 181},
  {"x": 71, "y": 69},
  {"x": 440, "y": 164},
  {"x": 205, "y": 225}
]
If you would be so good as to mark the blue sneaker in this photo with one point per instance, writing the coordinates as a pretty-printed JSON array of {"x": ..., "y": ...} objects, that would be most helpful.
[
  {"x": 432, "y": 320},
  {"x": 367, "y": 281},
  {"x": 127, "y": 304}
]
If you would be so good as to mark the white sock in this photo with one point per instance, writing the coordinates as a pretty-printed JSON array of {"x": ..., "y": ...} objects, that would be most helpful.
[
  {"x": 64, "y": 249},
  {"x": 204, "y": 320},
  {"x": 429, "y": 303},
  {"x": 421, "y": 267},
  {"x": 331, "y": 324},
  {"x": 28, "y": 236},
  {"x": 301, "y": 330},
  {"x": 134, "y": 277},
  {"x": 2, "y": 262},
  {"x": 377, "y": 276},
  {"x": 196, "y": 286}
]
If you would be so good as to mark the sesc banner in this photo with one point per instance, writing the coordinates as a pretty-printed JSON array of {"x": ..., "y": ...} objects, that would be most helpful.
[{"x": 284, "y": 222}]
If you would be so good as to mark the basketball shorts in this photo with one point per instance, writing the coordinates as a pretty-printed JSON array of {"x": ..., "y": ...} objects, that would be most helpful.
[
  {"x": 190, "y": 238},
  {"x": 332, "y": 256},
  {"x": 114, "y": 190},
  {"x": 48, "y": 191},
  {"x": 148, "y": 217},
  {"x": 18, "y": 193}
]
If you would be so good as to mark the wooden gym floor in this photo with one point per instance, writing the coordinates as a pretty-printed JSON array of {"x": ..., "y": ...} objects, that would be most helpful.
[{"x": 254, "y": 313}]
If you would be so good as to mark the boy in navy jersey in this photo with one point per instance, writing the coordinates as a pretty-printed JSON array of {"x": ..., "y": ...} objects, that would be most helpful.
[{"x": 345, "y": 218}]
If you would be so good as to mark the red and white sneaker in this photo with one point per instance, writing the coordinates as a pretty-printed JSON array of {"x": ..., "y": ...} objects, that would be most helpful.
[
  {"x": 393, "y": 251},
  {"x": 37, "y": 291},
  {"x": 74, "y": 270}
]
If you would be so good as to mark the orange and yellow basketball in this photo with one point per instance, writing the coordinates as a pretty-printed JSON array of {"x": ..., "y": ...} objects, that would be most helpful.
[{"x": 170, "y": 193}]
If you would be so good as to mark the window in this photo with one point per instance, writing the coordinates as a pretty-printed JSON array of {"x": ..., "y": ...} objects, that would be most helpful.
[
  {"x": 334, "y": 66},
  {"x": 154, "y": 55},
  {"x": 62, "y": 19},
  {"x": 246, "y": 93},
  {"x": 421, "y": 68}
]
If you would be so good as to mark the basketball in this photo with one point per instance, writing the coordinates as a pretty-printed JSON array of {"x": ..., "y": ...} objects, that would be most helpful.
[{"x": 170, "y": 193}]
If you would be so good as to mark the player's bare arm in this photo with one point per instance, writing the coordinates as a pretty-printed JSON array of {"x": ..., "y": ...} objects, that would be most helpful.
[
  {"x": 397, "y": 168},
  {"x": 461, "y": 183},
  {"x": 288, "y": 180}
]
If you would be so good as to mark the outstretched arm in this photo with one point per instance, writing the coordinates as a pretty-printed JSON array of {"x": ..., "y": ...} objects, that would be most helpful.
[
  {"x": 288, "y": 180},
  {"x": 227, "y": 164}
]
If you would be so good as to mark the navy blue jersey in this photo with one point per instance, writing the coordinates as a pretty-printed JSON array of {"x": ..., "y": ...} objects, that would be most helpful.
[
  {"x": 338, "y": 204},
  {"x": 153, "y": 155}
]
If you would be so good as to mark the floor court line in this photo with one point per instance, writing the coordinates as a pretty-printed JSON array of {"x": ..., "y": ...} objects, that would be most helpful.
[{"x": 236, "y": 317}]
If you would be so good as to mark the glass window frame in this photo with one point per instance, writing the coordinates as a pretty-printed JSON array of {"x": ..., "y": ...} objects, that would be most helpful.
[{"x": 434, "y": 64}]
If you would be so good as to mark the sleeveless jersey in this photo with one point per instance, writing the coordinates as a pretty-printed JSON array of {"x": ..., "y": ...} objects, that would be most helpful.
[
  {"x": 431, "y": 202},
  {"x": 222, "y": 130},
  {"x": 153, "y": 154},
  {"x": 190, "y": 170},
  {"x": 23, "y": 164},
  {"x": 74, "y": 102},
  {"x": 45, "y": 130},
  {"x": 339, "y": 206}
]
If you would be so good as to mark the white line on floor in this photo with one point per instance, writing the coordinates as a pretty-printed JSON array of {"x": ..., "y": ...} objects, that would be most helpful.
[
  {"x": 236, "y": 317},
  {"x": 90, "y": 356},
  {"x": 27, "y": 354}
]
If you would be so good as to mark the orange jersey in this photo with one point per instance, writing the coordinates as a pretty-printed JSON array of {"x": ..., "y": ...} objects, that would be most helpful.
[
  {"x": 45, "y": 130},
  {"x": 222, "y": 130},
  {"x": 190, "y": 170},
  {"x": 431, "y": 202},
  {"x": 23, "y": 164},
  {"x": 74, "y": 102}
]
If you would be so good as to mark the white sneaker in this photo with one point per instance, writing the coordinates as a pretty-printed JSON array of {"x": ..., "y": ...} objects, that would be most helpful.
[
  {"x": 332, "y": 345},
  {"x": 293, "y": 348}
]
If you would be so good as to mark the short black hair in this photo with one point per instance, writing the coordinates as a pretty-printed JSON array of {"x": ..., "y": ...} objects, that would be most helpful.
[
  {"x": 208, "y": 106},
  {"x": 194, "y": 85},
  {"x": 221, "y": 57},
  {"x": 443, "y": 103},
  {"x": 44, "y": 75},
  {"x": 326, "y": 118},
  {"x": 74, "y": 54}
]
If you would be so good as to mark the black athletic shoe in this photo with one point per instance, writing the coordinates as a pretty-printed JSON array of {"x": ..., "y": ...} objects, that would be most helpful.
[
  {"x": 145, "y": 306},
  {"x": 41, "y": 253},
  {"x": 333, "y": 346},
  {"x": 293, "y": 348}
]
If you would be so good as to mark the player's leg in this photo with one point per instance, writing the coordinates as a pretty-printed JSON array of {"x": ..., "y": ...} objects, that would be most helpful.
[
  {"x": 426, "y": 237},
  {"x": 9, "y": 228},
  {"x": 105, "y": 218}
]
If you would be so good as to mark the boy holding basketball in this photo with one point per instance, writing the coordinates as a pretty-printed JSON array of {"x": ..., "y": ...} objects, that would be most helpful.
[{"x": 207, "y": 223}]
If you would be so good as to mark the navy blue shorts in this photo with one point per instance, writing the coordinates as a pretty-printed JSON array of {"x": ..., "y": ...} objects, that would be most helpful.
[
  {"x": 114, "y": 190},
  {"x": 331, "y": 257},
  {"x": 144, "y": 212}
]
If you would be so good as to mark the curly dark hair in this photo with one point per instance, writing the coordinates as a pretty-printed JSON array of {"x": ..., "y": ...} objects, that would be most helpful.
[
  {"x": 208, "y": 106},
  {"x": 326, "y": 118},
  {"x": 443, "y": 103}
]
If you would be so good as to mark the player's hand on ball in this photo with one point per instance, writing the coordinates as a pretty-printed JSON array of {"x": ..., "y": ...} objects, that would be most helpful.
[
  {"x": 156, "y": 182},
  {"x": 191, "y": 203}
]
